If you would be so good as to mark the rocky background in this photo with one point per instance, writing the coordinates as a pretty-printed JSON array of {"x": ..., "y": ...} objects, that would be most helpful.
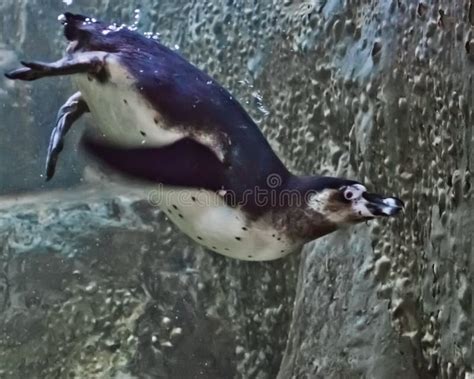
[{"x": 95, "y": 283}]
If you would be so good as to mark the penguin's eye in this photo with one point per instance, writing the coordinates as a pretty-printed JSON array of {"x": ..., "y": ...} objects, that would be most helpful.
[{"x": 352, "y": 193}]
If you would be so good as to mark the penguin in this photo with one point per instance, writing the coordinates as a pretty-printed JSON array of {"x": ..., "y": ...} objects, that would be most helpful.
[{"x": 161, "y": 120}]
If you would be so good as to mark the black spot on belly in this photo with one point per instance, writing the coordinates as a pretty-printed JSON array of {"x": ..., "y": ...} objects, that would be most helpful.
[
  {"x": 170, "y": 211},
  {"x": 278, "y": 239},
  {"x": 238, "y": 238},
  {"x": 175, "y": 207},
  {"x": 244, "y": 228},
  {"x": 155, "y": 120},
  {"x": 273, "y": 235},
  {"x": 214, "y": 247},
  {"x": 180, "y": 215},
  {"x": 193, "y": 198},
  {"x": 125, "y": 101},
  {"x": 282, "y": 251},
  {"x": 250, "y": 256},
  {"x": 142, "y": 133},
  {"x": 199, "y": 238},
  {"x": 226, "y": 249}
]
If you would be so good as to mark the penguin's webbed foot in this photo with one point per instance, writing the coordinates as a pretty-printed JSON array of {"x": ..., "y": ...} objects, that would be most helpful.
[
  {"x": 74, "y": 108},
  {"x": 31, "y": 71},
  {"x": 80, "y": 63},
  {"x": 22, "y": 73}
]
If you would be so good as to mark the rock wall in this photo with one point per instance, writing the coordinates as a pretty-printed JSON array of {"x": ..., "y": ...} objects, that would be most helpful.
[
  {"x": 379, "y": 91},
  {"x": 103, "y": 287}
]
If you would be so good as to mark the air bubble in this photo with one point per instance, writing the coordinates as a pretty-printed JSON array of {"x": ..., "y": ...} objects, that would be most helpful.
[{"x": 258, "y": 98}]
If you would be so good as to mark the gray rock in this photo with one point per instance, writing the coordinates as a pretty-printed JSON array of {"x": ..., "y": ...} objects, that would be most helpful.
[{"x": 86, "y": 295}]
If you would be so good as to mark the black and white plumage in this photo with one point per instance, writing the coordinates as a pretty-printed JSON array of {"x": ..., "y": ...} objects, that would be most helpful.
[{"x": 159, "y": 119}]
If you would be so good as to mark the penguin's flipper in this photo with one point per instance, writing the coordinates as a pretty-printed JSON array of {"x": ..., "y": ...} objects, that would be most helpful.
[
  {"x": 185, "y": 163},
  {"x": 88, "y": 62},
  {"x": 72, "y": 110}
]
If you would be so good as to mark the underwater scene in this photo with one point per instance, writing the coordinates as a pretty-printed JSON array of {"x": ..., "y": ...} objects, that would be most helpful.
[{"x": 236, "y": 189}]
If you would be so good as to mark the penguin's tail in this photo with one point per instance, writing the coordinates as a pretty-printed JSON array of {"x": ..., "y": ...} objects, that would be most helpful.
[
  {"x": 72, "y": 25},
  {"x": 80, "y": 28}
]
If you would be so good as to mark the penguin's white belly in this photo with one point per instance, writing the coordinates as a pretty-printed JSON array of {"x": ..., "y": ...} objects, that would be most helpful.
[
  {"x": 207, "y": 219},
  {"x": 124, "y": 118},
  {"x": 121, "y": 114}
]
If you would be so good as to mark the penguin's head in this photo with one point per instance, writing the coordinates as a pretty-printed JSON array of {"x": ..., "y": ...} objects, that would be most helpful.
[{"x": 348, "y": 202}]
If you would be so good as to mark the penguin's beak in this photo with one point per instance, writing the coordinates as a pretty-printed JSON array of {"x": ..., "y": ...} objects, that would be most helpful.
[{"x": 379, "y": 205}]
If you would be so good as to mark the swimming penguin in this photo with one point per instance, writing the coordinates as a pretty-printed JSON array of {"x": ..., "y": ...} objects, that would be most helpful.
[{"x": 159, "y": 119}]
